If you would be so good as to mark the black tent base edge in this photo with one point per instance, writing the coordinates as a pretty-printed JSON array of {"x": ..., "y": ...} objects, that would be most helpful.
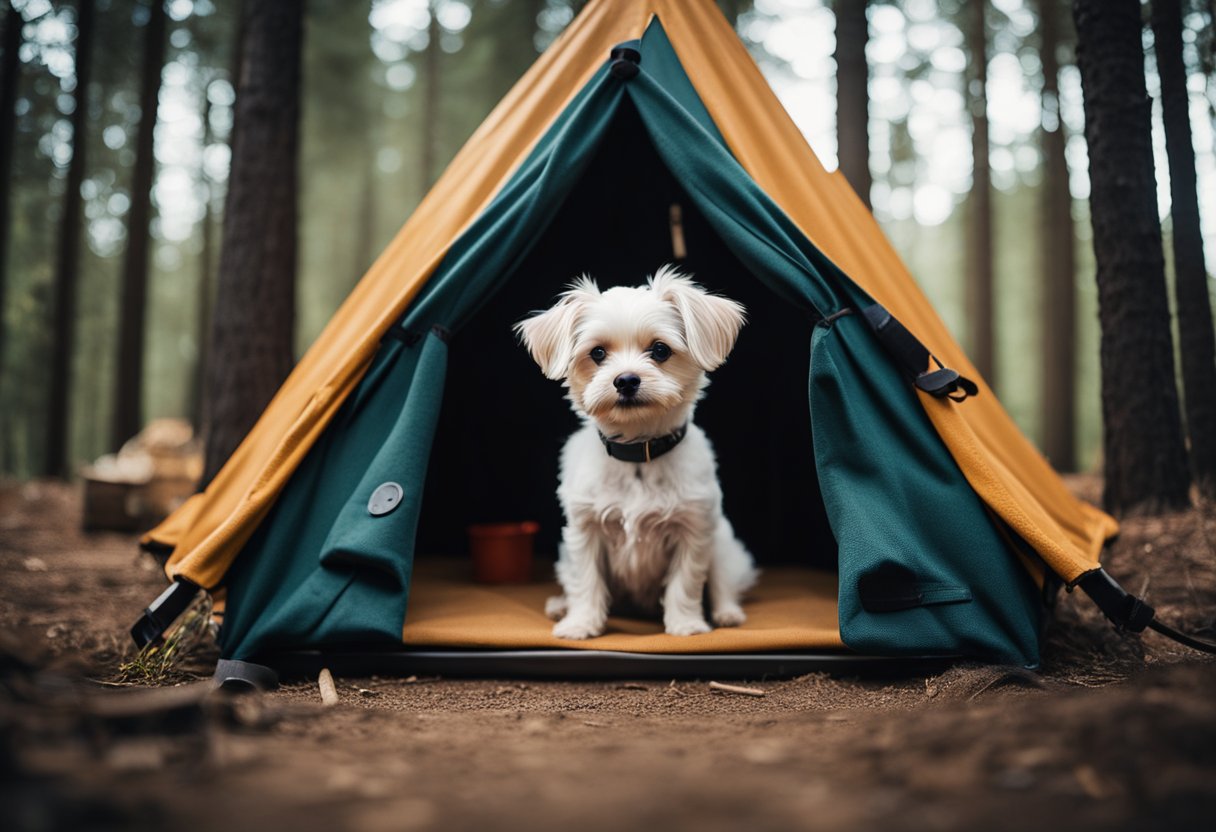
[{"x": 581, "y": 664}]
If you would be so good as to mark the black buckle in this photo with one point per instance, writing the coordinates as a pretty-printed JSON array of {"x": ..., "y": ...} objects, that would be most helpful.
[
  {"x": 161, "y": 613},
  {"x": 946, "y": 382},
  {"x": 913, "y": 357},
  {"x": 1124, "y": 610}
]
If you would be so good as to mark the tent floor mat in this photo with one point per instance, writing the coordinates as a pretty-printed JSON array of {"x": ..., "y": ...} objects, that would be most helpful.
[
  {"x": 595, "y": 664},
  {"x": 791, "y": 610},
  {"x": 457, "y": 628}
]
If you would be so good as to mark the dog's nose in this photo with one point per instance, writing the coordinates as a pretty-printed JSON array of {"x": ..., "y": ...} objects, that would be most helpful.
[{"x": 627, "y": 384}]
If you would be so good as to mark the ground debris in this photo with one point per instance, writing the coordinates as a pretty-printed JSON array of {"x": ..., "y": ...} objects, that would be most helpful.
[{"x": 742, "y": 691}]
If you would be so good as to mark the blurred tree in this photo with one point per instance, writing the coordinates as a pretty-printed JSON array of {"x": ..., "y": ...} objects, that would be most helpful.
[
  {"x": 978, "y": 288},
  {"x": 1144, "y": 455},
  {"x": 733, "y": 9},
  {"x": 206, "y": 272},
  {"x": 251, "y": 349},
  {"x": 10, "y": 73},
  {"x": 1197, "y": 345},
  {"x": 67, "y": 267},
  {"x": 852, "y": 95},
  {"x": 432, "y": 57},
  {"x": 128, "y": 389},
  {"x": 1058, "y": 250},
  {"x": 209, "y": 41}
]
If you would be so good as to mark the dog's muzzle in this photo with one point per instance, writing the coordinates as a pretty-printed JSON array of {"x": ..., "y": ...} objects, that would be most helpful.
[{"x": 627, "y": 385}]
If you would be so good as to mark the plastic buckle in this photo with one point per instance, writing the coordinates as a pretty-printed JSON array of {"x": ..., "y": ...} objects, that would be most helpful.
[
  {"x": 946, "y": 382},
  {"x": 161, "y": 613},
  {"x": 1125, "y": 611}
]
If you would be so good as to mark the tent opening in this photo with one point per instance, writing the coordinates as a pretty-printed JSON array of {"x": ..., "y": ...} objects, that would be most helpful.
[{"x": 502, "y": 424}]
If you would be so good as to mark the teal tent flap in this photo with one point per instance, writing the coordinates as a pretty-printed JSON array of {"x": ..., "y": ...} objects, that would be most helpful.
[{"x": 321, "y": 570}]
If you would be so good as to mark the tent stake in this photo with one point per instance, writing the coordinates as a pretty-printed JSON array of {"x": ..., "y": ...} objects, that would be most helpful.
[{"x": 329, "y": 693}]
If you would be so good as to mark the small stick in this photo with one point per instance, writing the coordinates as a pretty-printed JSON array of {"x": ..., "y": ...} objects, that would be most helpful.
[
  {"x": 736, "y": 689},
  {"x": 329, "y": 693}
]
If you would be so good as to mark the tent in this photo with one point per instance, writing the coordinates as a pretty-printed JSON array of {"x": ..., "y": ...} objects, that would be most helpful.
[{"x": 893, "y": 504}]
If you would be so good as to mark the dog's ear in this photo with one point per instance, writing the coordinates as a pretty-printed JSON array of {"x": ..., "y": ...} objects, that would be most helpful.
[
  {"x": 549, "y": 335},
  {"x": 711, "y": 323}
]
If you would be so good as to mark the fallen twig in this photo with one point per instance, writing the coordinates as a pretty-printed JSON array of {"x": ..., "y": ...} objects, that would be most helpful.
[
  {"x": 329, "y": 692},
  {"x": 736, "y": 689}
]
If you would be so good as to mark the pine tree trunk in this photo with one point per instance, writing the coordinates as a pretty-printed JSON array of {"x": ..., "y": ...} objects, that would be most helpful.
[
  {"x": 978, "y": 291},
  {"x": 732, "y": 9},
  {"x": 129, "y": 388},
  {"x": 10, "y": 73},
  {"x": 1197, "y": 344},
  {"x": 206, "y": 282},
  {"x": 254, "y": 319},
  {"x": 1059, "y": 259},
  {"x": 430, "y": 103},
  {"x": 1145, "y": 458},
  {"x": 67, "y": 267},
  {"x": 853, "y": 96}
]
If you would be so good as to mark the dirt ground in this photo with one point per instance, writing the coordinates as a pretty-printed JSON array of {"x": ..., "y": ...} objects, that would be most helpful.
[{"x": 1116, "y": 732}]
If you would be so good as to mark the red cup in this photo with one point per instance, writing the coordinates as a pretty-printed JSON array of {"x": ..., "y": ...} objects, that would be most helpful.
[{"x": 502, "y": 552}]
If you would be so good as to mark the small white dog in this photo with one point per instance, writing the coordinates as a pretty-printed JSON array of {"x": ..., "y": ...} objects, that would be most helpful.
[{"x": 639, "y": 484}]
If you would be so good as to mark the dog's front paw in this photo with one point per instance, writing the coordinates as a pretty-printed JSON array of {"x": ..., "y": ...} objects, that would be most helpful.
[
  {"x": 687, "y": 627},
  {"x": 577, "y": 629},
  {"x": 556, "y": 606},
  {"x": 731, "y": 616}
]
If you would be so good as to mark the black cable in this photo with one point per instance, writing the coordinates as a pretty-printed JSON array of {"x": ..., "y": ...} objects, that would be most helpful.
[{"x": 1182, "y": 638}]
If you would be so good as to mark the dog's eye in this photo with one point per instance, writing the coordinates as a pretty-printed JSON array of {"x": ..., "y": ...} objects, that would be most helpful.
[
  {"x": 598, "y": 354},
  {"x": 660, "y": 352}
]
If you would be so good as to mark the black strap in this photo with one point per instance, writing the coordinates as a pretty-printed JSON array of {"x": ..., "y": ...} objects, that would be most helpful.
[
  {"x": 240, "y": 677},
  {"x": 913, "y": 358},
  {"x": 1129, "y": 613},
  {"x": 1125, "y": 611},
  {"x": 1182, "y": 638},
  {"x": 161, "y": 613},
  {"x": 646, "y": 451}
]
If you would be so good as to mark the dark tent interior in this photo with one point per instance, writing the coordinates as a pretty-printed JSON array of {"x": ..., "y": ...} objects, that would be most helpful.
[{"x": 495, "y": 455}]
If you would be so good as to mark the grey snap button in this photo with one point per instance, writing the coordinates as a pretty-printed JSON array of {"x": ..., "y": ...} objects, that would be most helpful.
[{"x": 385, "y": 498}]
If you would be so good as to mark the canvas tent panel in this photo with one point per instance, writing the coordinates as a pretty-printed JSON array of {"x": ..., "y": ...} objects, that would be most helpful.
[
  {"x": 1013, "y": 479},
  {"x": 1002, "y": 465},
  {"x": 325, "y": 601}
]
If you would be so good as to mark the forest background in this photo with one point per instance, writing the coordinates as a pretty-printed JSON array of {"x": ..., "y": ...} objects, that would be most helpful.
[{"x": 392, "y": 88}]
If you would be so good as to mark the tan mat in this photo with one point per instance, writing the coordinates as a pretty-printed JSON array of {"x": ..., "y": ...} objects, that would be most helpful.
[{"x": 790, "y": 609}]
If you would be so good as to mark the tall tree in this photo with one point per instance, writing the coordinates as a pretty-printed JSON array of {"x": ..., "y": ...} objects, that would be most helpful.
[
  {"x": 1197, "y": 344},
  {"x": 1145, "y": 457},
  {"x": 10, "y": 73},
  {"x": 206, "y": 269},
  {"x": 67, "y": 266},
  {"x": 254, "y": 317},
  {"x": 978, "y": 290},
  {"x": 1058, "y": 395},
  {"x": 129, "y": 378},
  {"x": 431, "y": 58},
  {"x": 734, "y": 9},
  {"x": 853, "y": 96}
]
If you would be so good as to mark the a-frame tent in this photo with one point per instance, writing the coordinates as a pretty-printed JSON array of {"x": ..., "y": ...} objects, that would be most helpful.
[{"x": 946, "y": 527}]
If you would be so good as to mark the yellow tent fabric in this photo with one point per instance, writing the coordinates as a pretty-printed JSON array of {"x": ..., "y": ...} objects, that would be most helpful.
[{"x": 1005, "y": 469}]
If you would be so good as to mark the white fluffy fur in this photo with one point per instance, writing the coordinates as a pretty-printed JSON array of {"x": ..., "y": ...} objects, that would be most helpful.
[{"x": 645, "y": 534}]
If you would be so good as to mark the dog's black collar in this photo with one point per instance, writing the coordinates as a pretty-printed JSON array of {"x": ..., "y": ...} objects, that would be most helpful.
[{"x": 644, "y": 451}]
